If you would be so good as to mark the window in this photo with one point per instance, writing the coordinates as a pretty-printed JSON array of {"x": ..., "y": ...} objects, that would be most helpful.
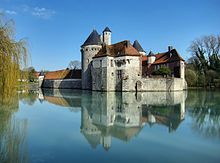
[
  {"x": 86, "y": 49},
  {"x": 100, "y": 63},
  {"x": 112, "y": 65},
  {"x": 119, "y": 74}
]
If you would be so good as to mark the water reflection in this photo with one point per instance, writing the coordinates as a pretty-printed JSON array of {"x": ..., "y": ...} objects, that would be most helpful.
[
  {"x": 204, "y": 108},
  {"x": 13, "y": 132},
  {"x": 120, "y": 115}
]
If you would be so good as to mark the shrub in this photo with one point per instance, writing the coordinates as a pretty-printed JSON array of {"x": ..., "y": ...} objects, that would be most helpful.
[{"x": 162, "y": 71}]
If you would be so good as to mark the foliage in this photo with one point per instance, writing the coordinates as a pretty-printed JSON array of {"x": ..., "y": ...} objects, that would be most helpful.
[
  {"x": 13, "y": 55},
  {"x": 74, "y": 65},
  {"x": 162, "y": 71},
  {"x": 191, "y": 77},
  {"x": 205, "y": 60},
  {"x": 30, "y": 74}
]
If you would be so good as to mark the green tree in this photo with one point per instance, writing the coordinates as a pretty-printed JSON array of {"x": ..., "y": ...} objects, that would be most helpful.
[
  {"x": 162, "y": 71},
  {"x": 13, "y": 55},
  {"x": 205, "y": 59},
  {"x": 191, "y": 77}
]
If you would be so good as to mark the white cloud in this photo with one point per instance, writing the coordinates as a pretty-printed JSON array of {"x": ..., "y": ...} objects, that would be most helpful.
[
  {"x": 10, "y": 12},
  {"x": 40, "y": 12},
  {"x": 43, "y": 12}
]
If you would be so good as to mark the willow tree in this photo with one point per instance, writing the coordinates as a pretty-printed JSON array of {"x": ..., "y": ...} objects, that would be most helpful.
[{"x": 13, "y": 56}]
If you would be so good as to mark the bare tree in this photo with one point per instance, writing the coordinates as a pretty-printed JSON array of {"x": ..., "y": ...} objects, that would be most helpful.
[
  {"x": 206, "y": 51},
  {"x": 206, "y": 57},
  {"x": 74, "y": 65}
]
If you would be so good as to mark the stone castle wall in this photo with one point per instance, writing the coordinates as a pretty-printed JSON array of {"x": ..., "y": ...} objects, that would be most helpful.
[
  {"x": 155, "y": 84},
  {"x": 63, "y": 84}
]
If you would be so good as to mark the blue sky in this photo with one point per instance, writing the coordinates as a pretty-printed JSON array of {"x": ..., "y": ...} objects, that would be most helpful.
[{"x": 56, "y": 29}]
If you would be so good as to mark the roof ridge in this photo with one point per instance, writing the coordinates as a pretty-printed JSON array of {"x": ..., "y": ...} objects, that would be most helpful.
[{"x": 137, "y": 46}]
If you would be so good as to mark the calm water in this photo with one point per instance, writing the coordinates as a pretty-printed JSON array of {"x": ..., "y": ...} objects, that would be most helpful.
[{"x": 77, "y": 126}]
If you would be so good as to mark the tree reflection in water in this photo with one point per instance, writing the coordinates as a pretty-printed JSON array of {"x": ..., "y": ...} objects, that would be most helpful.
[
  {"x": 204, "y": 108},
  {"x": 13, "y": 143}
]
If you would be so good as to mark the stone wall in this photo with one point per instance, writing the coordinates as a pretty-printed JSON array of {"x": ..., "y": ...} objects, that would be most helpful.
[
  {"x": 87, "y": 52},
  {"x": 62, "y": 84},
  {"x": 155, "y": 84},
  {"x": 105, "y": 72}
]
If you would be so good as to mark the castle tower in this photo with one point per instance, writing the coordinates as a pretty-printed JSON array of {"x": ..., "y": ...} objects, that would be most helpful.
[
  {"x": 151, "y": 57},
  {"x": 41, "y": 79},
  {"x": 107, "y": 34},
  {"x": 138, "y": 47},
  {"x": 88, "y": 50}
]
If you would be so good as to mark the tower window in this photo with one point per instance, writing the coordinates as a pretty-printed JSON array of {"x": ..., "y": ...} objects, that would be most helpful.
[
  {"x": 100, "y": 63},
  {"x": 128, "y": 61},
  {"x": 112, "y": 65}
]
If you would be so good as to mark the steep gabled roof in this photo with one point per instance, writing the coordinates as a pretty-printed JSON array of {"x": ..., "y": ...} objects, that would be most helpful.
[
  {"x": 166, "y": 57},
  {"x": 137, "y": 46},
  {"x": 107, "y": 29},
  {"x": 123, "y": 48},
  {"x": 93, "y": 39}
]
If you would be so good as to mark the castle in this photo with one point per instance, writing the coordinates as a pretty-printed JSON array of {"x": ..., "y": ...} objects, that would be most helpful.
[
  {"x": 126, "y": 67},
  {"x": 119, "y": 67}
]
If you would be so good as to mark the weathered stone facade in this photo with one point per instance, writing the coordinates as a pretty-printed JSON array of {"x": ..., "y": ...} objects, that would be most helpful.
[
  {"x": 88, "y": 52},
  {"x": 62, "y": 84},
  {"x": 108, "y": 73},
  {"x": 122, "y": 67},
  {"x": 118, "y": 67}
]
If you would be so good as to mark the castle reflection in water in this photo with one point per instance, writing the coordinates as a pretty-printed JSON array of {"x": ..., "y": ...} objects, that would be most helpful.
[{"x": 121, "y": 115}]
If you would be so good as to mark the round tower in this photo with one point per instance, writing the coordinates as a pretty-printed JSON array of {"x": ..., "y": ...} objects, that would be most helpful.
[
  {"x": 151, "y": 57},
  {"x": 88, "y": 50},
  {"x": 107, "y": 36}
]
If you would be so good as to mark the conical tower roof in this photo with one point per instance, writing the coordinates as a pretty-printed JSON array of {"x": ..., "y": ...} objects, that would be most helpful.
[
  {"x": 137, "y": 46},
  {"x": 151, "y": 54},
  {"x": 107, "y": 29},
  {"x": 93, "y": 39}
]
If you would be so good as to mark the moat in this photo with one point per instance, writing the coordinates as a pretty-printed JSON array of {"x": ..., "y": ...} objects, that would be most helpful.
[{"x": 82, "y": 126}]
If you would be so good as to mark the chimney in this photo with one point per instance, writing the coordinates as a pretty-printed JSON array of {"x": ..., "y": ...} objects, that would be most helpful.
[
  {"x": 127, "y": 43},
  {"x": 170, "y": 48}
]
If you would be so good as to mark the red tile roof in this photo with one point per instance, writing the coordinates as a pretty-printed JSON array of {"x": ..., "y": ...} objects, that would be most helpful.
[
  {"x": 165, "y": 57},
  {"x": 123, "y": 48},
  {"x": 63, "y": 74}
]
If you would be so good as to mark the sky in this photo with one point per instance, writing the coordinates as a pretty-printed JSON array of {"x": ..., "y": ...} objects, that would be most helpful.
[{"x": 55, "y": 30}]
